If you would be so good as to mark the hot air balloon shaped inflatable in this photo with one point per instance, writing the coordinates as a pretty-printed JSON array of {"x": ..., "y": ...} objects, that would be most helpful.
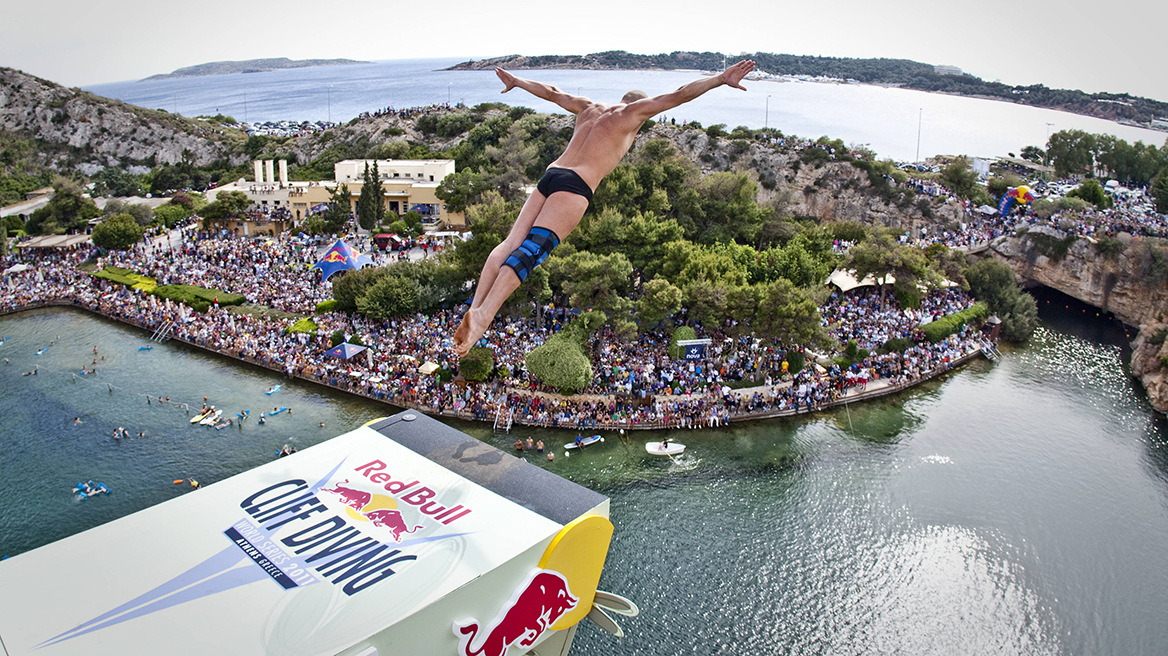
[{"x": 1018, "y": 195}]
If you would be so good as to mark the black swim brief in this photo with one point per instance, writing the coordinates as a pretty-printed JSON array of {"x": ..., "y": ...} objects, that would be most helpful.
[{"x": 557, "y": 179}]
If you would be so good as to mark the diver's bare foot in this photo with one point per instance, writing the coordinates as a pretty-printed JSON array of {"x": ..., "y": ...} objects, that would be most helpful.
[
  {"x": 460, "y": 335},
  {"x": 475, "y": 325}
]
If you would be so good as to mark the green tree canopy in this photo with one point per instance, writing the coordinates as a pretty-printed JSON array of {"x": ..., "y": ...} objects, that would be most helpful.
[
  {"x": 227, "y": 205},
  {"x": 392, "y": 296},
  {"x": 118, "y": 232},
  {"x": 659, "y": 300},
  {"x": 69, "y": 209},
  {"x": 1091, "y": 192},
  {"x": 882, "y": 256},
  {"x": 1160, "y": 191},
  {"x": 339, "y": 209},
  {"x": 370, "y": 204},
  {"x": 458, "y": 190}
]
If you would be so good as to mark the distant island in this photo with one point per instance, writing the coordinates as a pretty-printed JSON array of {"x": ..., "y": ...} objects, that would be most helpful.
[
  {"x": 249, "y": 66},
  {"x": 1120, "y": 107}
]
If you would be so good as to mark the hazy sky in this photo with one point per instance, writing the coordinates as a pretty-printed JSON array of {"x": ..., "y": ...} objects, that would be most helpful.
[{"x": 1109, "y": 47}]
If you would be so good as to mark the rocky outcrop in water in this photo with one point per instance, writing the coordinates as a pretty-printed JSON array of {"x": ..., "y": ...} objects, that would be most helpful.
[{"x": 1149, "y": 363}]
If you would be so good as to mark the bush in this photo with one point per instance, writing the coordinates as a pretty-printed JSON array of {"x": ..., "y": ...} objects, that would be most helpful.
[
  {"x": 336, "y": 338},
  {"x": 946, "y": 326},
  {"x": 199, "y": 298},
  {"x": 895, "y": 345},
  {"x": 305, "y": 325},
  {"x": 852, "y": 354},
  {"x": 327, "y": 306},
  {"x": 796, "y": 361},
  {"x": 682, "y": 333},
  {"x": 477, "y": 364},
  {"x": 1053, "y": 247},
  {"x": 561, "y": 364},
  {"x": 1109, "y": 247}
]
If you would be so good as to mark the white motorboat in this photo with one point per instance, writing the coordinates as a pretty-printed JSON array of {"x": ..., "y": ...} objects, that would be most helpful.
[{"x": 667, "y": 448}]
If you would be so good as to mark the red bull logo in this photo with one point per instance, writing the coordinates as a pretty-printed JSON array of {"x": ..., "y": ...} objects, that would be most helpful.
[
  {"x": 377, "y": 509},
  {"x": 392, "y": 520},
  {"x": 351, "y": 497},
  {"x": 536, "y": 605},
  {"x": 333, "y": 256}
]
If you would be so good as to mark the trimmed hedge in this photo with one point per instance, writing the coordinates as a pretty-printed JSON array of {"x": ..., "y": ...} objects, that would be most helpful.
[
  {"x": 305, "y": 325},
  {"x": 127, "y": 278},
  {"x": 327, "y": 306},
  {"x": 199, "y": 298},
  {"x": 946, "y": 326}
]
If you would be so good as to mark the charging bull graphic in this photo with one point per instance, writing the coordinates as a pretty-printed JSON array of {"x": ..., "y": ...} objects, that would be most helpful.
[
  {"x": 392, "y": 520},
  {"x": 536, "y": 605},
  {"x": 355, "y": 499}
]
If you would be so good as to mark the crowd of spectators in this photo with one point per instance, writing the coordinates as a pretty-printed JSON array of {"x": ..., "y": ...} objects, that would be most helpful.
[{"x": 636, "y": 383}]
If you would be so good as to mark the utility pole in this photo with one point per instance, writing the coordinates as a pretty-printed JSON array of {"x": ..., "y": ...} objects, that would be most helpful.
[
  {"x": 448, "y": 93},
  {"x": 766, "y": 122},
  {"x": 920, "y": 118},
  {"x": 245, "y": 105},
  {"x": 330, "y": 103}
]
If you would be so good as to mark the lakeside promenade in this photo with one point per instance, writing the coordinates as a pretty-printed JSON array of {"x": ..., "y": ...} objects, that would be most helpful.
[{"x": 505, "y": 403}]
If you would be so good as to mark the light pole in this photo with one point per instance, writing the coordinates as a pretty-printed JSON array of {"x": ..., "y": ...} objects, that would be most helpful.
[
  {"x": 245, "y": 105},
  {"x": 766, "y": 121},
  {"x": 330, "y": 103},
  {"x": 920, "y": 118},
  {"x": 448, "y": 93}
]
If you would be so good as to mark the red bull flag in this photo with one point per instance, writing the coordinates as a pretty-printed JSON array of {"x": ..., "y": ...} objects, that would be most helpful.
[
  {"x": 340, "y": 258},
  {"x": 1018, "y": 195}
]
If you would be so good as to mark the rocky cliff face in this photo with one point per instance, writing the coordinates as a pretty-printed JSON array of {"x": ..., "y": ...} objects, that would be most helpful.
[
  {"x": 77, "y": 129},
  {"x": 1127, "y": 282},
  {"x": 833, "y": 191},
  {"x": 1149, "y": 363},
  {"x": 1118, "y": 283}
]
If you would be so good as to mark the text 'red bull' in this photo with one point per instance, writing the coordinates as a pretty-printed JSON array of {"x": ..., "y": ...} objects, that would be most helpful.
[
  {"x": 412, "y": 494},
  {"x": 536, "y": 605}
]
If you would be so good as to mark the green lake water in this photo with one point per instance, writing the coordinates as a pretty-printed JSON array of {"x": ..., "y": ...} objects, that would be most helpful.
[{"x": 1015, "y": 507}]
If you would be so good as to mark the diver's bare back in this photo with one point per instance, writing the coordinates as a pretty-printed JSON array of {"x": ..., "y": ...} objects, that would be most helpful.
[{"x": 603, "y": 134}]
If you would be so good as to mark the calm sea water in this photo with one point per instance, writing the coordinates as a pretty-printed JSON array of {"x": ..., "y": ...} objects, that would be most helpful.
[
  {"x": 885, "y": 119},
  {"x": 1017, "y": 507}
]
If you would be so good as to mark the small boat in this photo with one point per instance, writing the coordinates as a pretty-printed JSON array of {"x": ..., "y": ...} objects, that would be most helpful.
[
  {"x": 273, "y": 390},
  {"x": 588, "y": 441},
  {"x": 210, "y": 419},
  {"x": 276, "y": 412},
  {"x": 666, "y": 448},
  {"x": 145, "y": 348},
  {"x": 200, "y": 417}
]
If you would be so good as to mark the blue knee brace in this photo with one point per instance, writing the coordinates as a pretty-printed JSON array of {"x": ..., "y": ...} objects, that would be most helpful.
[{"x": 532, "y": 252}]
